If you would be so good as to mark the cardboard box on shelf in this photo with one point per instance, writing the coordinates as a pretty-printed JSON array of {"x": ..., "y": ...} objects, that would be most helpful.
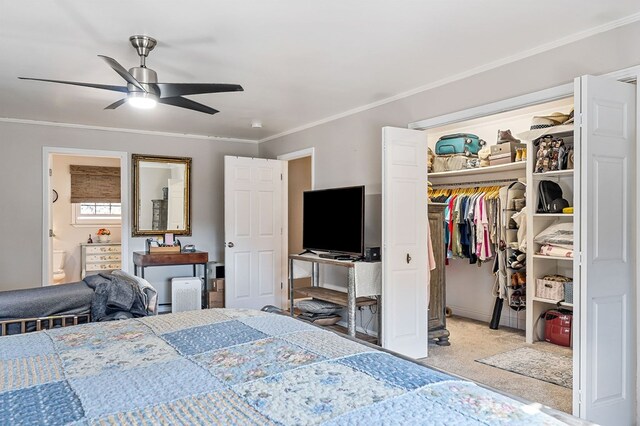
[
  {"x": 218, "y": 284},
  {"x": 215, "y": 299},
  {"x": 495, "y": 160},
  {"x": 507, "y": 148}
]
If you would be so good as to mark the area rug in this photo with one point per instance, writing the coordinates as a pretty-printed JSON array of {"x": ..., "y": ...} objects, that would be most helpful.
[{"x": 545, "y": 366}]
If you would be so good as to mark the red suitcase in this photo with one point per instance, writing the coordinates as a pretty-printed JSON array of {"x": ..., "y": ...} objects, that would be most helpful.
[{"x": 557, "y": 327}]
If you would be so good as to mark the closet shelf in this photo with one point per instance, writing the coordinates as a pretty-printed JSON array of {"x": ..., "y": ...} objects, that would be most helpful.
[
  {"x": 541, "y": 256},
  {"x": 547, "y": 215},
  {"x": 520, "y": 165},
  {"x": 555, "y": 173},
  {"x": 543, "y": 300},
  {"x": 562, "y": 131},
  {"x": 552, "y": 302}
]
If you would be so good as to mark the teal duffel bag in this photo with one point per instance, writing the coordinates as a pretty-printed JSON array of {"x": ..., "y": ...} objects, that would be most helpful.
[{"x": 459, "y": 143}]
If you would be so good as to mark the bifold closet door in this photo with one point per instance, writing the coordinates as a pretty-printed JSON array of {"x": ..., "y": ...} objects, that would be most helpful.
[
  {"x": 253, "y": 232},
  {"x": 606, "y": 140},
  {"x": 405, "y": 278}
]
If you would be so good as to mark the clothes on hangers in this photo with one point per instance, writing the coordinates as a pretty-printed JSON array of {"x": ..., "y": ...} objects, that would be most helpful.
[{"x": 470, "y": 221}]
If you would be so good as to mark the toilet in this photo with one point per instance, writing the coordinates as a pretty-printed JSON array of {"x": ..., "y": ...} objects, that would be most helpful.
[{"x": 58, "y": 265}]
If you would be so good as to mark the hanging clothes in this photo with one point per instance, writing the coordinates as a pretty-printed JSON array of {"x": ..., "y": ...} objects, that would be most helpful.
[{"x": 470, "y": 221}]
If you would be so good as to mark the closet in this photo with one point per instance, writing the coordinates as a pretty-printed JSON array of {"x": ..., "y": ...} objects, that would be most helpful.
[{"x": 601, "y": 189}]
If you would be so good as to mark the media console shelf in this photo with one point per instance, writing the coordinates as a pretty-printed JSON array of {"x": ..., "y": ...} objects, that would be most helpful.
[
  {"x": 334, "y": 296},
  {"x": 370, "y": 288}
]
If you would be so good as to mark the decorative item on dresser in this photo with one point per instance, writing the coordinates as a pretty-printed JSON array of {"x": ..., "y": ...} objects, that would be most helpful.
[
  {"x": 100, "y": 257},
  {"x": 437, "y": 283}
]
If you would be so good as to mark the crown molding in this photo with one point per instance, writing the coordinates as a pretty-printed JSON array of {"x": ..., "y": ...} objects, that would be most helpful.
[
  {"x": 469, "y": 73},
  {"x": 123, "y": 130}
]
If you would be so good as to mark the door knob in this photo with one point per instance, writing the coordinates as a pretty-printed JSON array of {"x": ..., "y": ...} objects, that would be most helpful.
[
  {"x": 408, "y": 258},
  {"x": 230, "y": 245}
]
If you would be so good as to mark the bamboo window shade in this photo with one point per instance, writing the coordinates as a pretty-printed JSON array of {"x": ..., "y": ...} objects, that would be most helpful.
[{"x": 95, "y": 184}]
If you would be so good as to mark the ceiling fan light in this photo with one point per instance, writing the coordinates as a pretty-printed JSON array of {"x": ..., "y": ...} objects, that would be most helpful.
[{"x": 142, "y": 100}]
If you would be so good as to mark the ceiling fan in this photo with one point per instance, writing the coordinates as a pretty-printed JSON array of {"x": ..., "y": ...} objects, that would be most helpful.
[{"x": 143, "y": 89}]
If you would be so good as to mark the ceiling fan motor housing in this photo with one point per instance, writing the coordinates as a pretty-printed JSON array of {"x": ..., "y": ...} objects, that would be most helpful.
[{"x": 147, "y": 77}]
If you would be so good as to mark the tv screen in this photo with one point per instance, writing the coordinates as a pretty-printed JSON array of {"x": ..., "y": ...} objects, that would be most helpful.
[{"x": 333, "y": 220}]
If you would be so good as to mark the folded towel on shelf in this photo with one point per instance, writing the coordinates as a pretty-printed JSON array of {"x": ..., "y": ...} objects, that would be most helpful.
[{"x": 555, "y": 251}]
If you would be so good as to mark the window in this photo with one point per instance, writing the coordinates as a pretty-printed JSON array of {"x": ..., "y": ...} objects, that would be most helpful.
[{"x": 96, "y": 213}]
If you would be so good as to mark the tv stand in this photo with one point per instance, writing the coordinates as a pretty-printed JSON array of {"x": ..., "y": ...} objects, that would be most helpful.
[{"x": 367, "y": 283}]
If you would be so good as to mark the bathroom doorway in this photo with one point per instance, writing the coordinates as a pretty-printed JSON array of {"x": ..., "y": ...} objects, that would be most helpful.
[{"x": 84, "y": 191}]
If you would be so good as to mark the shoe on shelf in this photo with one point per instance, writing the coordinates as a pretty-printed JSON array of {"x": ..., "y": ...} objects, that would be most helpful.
[{"x": 505, "y": 136}]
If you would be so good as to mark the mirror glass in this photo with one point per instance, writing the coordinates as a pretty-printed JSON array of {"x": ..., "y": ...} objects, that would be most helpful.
[{"x": 161, "y": 195}]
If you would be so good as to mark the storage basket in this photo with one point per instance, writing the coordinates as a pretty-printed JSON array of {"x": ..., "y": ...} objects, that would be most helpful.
[
  {"x": 550, "y": 290},
  {"x": 568, "y": 292}
]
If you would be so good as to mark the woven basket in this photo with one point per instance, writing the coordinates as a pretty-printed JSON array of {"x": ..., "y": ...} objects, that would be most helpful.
[{"x": 550, "y": 290}]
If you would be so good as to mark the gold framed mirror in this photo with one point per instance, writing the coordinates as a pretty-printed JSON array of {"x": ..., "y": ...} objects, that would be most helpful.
[{"x": 161, "y": 195}]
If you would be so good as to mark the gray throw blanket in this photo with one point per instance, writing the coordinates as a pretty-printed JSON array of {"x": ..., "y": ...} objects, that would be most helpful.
[
  {"x": 63, "y": 299},
  {"x": 115, "y": 298}
]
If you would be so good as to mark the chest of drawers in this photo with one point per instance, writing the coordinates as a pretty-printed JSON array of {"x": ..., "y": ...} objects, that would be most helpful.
[{"x": 100, "y": 257}]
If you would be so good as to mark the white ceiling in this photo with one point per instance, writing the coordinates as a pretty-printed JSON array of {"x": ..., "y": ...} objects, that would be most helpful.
[{"x": 298, "y": 61}]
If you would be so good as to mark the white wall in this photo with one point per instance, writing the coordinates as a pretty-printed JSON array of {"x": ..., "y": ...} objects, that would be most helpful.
[
  {"x": 67, "y": 236},
  {"x": 348, "y": 150},
  {"x": 21, "y": 192}
]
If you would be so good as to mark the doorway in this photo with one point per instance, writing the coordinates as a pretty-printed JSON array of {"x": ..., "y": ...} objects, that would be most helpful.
[
  {"x": 300, "y": 179},
  {"x": 67, "y": 222}
]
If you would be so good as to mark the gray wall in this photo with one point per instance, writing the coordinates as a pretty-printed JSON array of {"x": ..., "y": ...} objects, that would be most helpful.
[
  {"x": 21, "y": 192},
  {"x": 348, "y": 150}
]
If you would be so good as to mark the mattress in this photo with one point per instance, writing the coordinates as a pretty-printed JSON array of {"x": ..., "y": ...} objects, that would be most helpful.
[{"x": 231, "y": 366}]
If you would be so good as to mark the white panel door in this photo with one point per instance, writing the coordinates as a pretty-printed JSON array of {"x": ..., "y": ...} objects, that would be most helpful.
[
  {"x": 404, "y": 242},
  {"x": 606, "y": 139},
  {"x": 253, "y": 232}
]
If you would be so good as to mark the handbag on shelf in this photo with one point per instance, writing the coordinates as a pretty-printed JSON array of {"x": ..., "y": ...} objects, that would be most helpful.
[
  {"x": 551, "y": 155},
  {"x": 550, "y": 197}
]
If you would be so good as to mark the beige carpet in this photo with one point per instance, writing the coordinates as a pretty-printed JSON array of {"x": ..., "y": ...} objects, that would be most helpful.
[{"x": 472, "y": 340}]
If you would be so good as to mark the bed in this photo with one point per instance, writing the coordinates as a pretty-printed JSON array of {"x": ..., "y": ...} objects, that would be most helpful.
[{"x": 232, "y": 366}]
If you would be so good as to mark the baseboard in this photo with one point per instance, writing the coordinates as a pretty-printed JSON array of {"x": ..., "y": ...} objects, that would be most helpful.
[{"x": 505, "y": 320}]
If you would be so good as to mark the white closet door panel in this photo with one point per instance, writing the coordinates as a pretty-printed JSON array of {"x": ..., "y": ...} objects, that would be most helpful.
[
  {"x": 253, "y": 232},
  {"x": 606, "y": 141},
  {"x": 404, "y": 239}
]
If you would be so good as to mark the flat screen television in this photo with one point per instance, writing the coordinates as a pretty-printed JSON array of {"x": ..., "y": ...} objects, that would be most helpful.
[{"x": 333, "y": 220}]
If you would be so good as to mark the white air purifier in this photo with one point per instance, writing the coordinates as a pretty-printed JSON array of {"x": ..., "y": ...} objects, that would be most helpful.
[{"x": 186, "y": 294}]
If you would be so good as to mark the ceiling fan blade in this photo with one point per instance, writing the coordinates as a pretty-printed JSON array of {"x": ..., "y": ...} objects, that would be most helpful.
[
  {"x": 123, "y": 72},
  {"x": 170, "y": 90},
  {"x": 188, "y": 104},
  {"x": 116, "y": 104},
  {"x": 75, "y": 83}
]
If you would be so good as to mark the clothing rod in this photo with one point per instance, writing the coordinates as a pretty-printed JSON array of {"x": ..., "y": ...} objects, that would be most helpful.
[{"x": 475, "y": 183}]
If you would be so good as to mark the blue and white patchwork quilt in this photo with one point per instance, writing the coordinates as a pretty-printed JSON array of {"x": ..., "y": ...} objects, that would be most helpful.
[{"x": 226, "y": 366}]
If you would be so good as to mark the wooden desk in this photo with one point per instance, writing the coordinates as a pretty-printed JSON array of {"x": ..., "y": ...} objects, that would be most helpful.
[
  {"x": 348, "y": 299},
  {"x": 142, "y": 259}
]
